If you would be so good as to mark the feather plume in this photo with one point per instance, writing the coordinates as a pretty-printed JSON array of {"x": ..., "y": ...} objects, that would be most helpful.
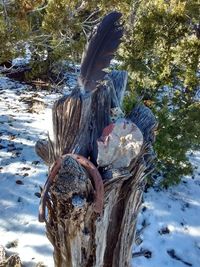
[{"x": 100, "y": 50}]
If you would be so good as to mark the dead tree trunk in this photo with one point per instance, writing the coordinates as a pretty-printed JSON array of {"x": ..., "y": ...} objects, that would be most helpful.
[{"x": 98, "y": 167}]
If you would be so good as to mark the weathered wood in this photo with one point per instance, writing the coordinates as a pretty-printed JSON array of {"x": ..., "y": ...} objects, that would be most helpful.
[
  {"x": 113, "y": 232},
  {"x": 64, "y": 225},
  {"x": 78, "y": 121},
  {"x": 11, "y": 261},
  {"x": 120, "y": 152},
  {"x": 143, "y": 117},
  {"x": 42, "y": 149},
  {"x": 71, "y": 117},
  {"x": 125, "y": 201},
  {"x": 117, "y": 82},
  {"x": 2, "y": 254}
]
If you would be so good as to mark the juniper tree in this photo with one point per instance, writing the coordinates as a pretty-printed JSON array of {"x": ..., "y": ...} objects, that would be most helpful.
[{"x": 162, "y": 54}]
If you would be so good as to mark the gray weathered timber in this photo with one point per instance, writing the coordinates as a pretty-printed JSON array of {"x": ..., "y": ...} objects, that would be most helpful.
[
  {"x": 78, "y": 121},
  {"x": 92, "y": 209},
  {"x": 118, "y": 80},
  {"x": 80, "y": 236}
]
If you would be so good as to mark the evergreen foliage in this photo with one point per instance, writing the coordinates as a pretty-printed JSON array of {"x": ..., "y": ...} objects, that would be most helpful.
[
  {"x": 161, "y": 53},
  {"x": 15, "y": 27},
  {"x": 161, "y": 50}
]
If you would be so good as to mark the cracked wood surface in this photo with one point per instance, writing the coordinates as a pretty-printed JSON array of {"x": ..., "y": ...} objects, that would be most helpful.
[{"x": 81, "y": 237}]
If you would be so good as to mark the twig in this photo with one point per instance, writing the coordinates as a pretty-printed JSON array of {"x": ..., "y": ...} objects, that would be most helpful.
[
  {"x": 5, "y": 13},
  {"x": 10, "y": 70},
  {"x": 173, "y": 255},
  {"x": 91, "y": 15},
  {"x": 141, "y": 230},
  {"x": 45, "y": 5},
  {"x": 144, "y": 253}
]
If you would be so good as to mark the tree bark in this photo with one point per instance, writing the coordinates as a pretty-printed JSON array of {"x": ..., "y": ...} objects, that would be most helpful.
[{"x": 83, "y": 236}]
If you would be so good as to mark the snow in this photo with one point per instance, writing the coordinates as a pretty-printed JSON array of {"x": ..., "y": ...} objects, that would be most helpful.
[
  {"x": 171, "y": 216},
  {"x": 23, "y": 61},
  {"x": 178, "y": 210},
  {"x": 22, "y": 173}
]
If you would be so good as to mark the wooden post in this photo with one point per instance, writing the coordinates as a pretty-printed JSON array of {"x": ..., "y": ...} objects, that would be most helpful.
[{"x": 97, "y": 166}]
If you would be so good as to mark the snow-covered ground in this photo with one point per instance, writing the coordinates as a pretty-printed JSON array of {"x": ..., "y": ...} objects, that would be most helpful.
[
  {"x": 22, "y": 172},
  {"x": 169, "y": 219},
  {"x": 172, "y": 220}
]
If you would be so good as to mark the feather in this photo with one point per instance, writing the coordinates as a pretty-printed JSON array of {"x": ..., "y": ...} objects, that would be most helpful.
[{"x": 100, "y": 50}]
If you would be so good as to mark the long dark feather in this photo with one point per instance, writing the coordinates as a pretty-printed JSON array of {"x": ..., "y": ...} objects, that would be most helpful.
[{"x": 100, "y": 50}]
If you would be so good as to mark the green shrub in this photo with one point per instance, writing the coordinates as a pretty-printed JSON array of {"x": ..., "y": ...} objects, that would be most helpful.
[
  {"x": 161, "y": 52},
  {"x": 161, "y": 48}
]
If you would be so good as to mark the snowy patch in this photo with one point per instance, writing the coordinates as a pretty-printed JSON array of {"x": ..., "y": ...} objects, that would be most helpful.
[
  {"x": 172, "y": 234},
  {"x": 22, "y": 172}
]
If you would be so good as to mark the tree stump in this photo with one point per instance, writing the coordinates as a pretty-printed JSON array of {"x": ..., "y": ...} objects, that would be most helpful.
[{"x": 98, "y": 163}]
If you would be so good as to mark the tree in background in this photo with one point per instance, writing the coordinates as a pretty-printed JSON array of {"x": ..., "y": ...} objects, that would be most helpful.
[
  {"x": 15, "y": 27},
  {"x": 160, "y": 51},
  {"x": 70, "y": 23},
  {"x": 54, "y": 30}
]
